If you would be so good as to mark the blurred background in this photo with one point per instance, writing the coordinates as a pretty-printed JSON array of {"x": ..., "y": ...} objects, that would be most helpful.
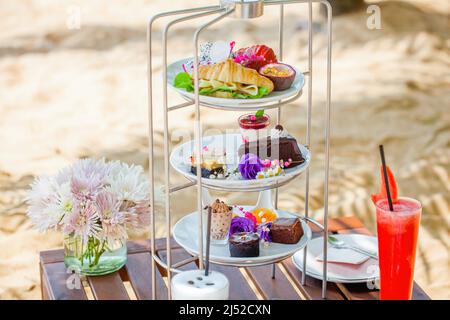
[{"x": 73, "y": 85}]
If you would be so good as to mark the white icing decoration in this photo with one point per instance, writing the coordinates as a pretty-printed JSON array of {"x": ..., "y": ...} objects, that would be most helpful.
[{"x": 276, "y": 134}]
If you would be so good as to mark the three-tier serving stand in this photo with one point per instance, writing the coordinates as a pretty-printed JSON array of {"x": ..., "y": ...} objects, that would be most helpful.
[{"x": 239, "y": 9}]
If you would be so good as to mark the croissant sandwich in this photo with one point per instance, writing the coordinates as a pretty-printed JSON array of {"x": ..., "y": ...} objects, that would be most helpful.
[{"x": 229, "y": 79}]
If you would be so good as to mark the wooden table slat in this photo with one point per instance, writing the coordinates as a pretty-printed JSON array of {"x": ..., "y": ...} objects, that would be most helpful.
[
  {"x": 139, "y": 272},
  {"x": 341, "y": 223},
  {"x": 51, "y": 256},
  {"x": 313, "y": 287},
  {"x": 61, "y": 285},
  {"x": 239, "y": 287},
  {"x": 138, "y": 246},
  {"x": 108, "y": 287},
  {"x": 357, "y": 291},
  {"x": 278, "y": 288},
  {"x": 178, "y": 255}
]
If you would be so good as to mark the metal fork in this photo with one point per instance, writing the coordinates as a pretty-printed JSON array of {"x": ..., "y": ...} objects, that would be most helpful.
[{"x": 339, "y": 244}]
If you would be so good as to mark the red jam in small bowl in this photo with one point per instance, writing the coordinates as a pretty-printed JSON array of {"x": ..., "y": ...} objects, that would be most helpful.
[{"x": 250, "y": 121}]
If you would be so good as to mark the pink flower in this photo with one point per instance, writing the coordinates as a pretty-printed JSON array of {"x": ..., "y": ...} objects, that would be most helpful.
[
  {"x": 266, "y": 163},
  {"x": 85, "y": 189},
  {"x": 88, "y": 169},
  {"x": 109, "y": 208},
  {"x": 111, "y": 217},
  {"x": 83, "y": 222},
  {"x": 250, "y": 216},
  {"x": 137, "y": 217}
]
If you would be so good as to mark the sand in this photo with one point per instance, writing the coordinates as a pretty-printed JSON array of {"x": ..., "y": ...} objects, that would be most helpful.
[{"x": 67, "y": 94}]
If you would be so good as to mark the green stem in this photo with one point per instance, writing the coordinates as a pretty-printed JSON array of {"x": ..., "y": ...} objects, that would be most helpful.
[
  {"x": 82, "y": 253},
  {"x": 91, "y": 251},
  {"x": 99, "y": 250}
]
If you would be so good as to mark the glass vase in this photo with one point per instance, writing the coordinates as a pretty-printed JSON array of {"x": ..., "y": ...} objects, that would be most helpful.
[{"x": 94, "y": 257}]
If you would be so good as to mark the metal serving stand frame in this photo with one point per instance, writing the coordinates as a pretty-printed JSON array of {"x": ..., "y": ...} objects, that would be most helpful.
[{"x": 240, "y": 9}]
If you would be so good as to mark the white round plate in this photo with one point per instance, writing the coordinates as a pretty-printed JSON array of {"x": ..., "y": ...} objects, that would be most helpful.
[
  {"x": 185, "y": 233},
  {"x": 179, "y": 159},
  {"x": 340, "y": 272},
  {"x": 176, "y": 67}
]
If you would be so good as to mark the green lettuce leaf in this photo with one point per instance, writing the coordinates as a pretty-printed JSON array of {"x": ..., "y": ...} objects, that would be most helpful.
[
  {"x": 183, "y": 81},
  {"x": 262, "y": 91}
]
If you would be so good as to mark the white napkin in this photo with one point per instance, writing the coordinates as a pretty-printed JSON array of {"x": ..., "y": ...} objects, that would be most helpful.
[{"x": 343, "y": 256}]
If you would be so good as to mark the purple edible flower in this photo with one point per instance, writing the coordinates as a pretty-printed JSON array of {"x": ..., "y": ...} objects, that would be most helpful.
[
  {"x": 241, "y": 224},
  {"x": 249, "y": 166},
  {"x": 263, "y": 231}
]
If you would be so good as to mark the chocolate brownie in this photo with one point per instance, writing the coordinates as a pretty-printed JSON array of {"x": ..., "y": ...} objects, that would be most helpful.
[{"x": 286, "y": 230}]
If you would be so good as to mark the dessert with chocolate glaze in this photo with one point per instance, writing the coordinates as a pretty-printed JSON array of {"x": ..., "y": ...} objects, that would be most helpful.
[
  {"x": 279, "y": 145},
  {"x": 286, "y": 230},
  {"x": 244, "y": 244}
]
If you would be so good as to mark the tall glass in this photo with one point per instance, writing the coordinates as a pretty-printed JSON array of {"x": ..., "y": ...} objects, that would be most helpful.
[{"x": 397, "y": 241}]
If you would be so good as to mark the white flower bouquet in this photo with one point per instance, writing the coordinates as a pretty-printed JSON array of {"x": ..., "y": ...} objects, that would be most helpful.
[{"x": 94, "y": 203}]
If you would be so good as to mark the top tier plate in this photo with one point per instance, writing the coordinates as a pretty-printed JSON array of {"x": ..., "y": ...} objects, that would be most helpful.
[{"x": 269, "y": 101}]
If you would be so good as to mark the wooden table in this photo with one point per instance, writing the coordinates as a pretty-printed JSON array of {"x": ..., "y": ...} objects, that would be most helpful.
[{"x": 133, "y": 281}]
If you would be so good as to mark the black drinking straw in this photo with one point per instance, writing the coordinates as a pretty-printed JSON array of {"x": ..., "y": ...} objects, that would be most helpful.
[
  {"x": 386, "y": 179},
  {"x": 208, "y": 240}
]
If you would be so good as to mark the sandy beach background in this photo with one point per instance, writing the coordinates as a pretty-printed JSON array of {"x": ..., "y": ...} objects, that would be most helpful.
[{"x": 72, "y": 93}]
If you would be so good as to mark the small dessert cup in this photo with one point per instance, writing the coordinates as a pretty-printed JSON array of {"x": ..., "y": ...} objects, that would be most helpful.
[
  {"x": 253, "y": 127},
  {"x": 220, "y": 227},
  {"x": 221, "y": 216}
]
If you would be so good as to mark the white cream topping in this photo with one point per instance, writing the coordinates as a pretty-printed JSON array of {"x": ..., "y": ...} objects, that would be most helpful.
[{"x": 276, "y": 134}]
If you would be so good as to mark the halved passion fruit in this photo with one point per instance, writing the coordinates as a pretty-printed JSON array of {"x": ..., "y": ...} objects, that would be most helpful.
[{"x": 281, "y": 74}]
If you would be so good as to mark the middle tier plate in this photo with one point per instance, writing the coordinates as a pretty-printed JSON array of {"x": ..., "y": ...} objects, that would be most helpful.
[
  {"x": 230, "y": 143},
  {"x": 185, "y": 233}
]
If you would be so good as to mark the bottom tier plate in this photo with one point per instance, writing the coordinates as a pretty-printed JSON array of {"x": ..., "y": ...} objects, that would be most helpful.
[{"x": 185, "y": 233}]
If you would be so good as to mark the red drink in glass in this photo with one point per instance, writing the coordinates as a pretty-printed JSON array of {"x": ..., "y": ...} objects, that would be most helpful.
[{"x": 397, "y": 240}]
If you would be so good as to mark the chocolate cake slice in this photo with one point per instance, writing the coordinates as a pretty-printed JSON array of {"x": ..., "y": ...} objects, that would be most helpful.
[
  {"x": 286, "y": 230},
  {"x": 278, "y": 146}
]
